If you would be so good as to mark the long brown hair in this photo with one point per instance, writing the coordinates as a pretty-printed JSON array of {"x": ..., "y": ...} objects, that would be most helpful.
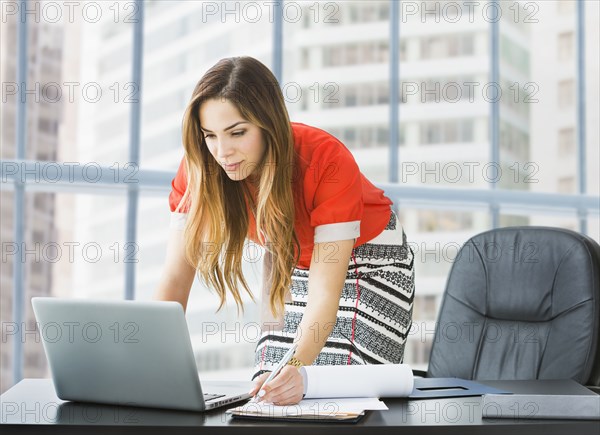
[{"x": 217, "y": 223}]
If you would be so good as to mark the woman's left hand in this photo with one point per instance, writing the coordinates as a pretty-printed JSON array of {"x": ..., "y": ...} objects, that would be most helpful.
[{"x": 287, "y": 388}]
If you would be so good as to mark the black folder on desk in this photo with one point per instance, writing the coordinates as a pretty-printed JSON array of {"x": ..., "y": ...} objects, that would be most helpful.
[{"x": 429, "y": 388}]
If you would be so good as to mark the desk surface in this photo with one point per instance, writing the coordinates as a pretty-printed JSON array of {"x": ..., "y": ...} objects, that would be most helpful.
[{"x": 31, "y": 406}]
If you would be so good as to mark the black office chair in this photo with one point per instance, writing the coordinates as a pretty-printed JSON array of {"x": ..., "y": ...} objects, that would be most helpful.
[{"x": 521, "y": 303}]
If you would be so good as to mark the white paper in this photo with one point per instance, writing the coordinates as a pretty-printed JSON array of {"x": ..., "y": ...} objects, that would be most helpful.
[
  {"x": 378, "y": 380},
  {"x": 315, "y": 407}
]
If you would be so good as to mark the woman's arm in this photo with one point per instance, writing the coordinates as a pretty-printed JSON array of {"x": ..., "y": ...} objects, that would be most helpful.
[
  {"x": 328, "y": 269},
  {"x": 177, "y": 277}
]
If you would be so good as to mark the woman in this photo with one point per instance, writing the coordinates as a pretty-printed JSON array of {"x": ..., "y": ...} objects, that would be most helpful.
[{"x": 338, "y": 271}]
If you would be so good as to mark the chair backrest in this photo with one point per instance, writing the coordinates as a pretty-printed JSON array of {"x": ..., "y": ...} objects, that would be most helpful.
[{"x": 521, "y": 303}]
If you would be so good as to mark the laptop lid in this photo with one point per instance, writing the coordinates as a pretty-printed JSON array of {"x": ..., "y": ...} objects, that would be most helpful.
[{"x": 133, "y": 353}]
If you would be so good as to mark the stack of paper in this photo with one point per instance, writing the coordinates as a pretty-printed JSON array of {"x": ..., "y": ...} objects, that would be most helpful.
[
  {"x": 338, "y": 393},
  {"x": 377, "y": 380},
  {"x": 310, "y": 409}
]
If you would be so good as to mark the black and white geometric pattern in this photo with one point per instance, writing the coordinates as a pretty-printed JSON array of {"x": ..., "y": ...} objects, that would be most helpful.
[{"x": 380, "y": 308}]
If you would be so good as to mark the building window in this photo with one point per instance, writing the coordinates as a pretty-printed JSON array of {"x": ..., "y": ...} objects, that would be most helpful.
[
  {"x": 364, "y": 137},
  {"x": 436, "y": 47},
  {"x": 467, "y": 46},
  {"x": 403, "y": 50},
  {"x": 566, "y": 6},
  {"x": 305, "y": 59},
  {"x": 383, "y": 52},
  {"x": 456, "y": 131},
  {"x": 432, "y": 47},
  {"x": 384, "y": 11},
  {"x": 451, "y": 132},
  {"x": 351, "y": 96},
  {"x": 566, "y": 142},
  {"x": 566, "y": 185},
  {"x": 355, "y": 54},
  {"x": 402, "y": 136},
  {"x": 565, "y": 46},
  {"x": 352, "y": 55},
  {"x": 367, "y": 53},
  {"x": 48, "y": 126},
  {"x": 382, "y": 135},
  {"x": 350, "y": 137},
  {"x": 514, "y": 54},
  {"x": 466, "y": 131},
  {"x": 431, "y": 133},
  {"x": 332, "y": 56},
  {"x": 383, "y": 93},
  {"x": 365, "y": 95},
  {"x": 566, "y": 94}
]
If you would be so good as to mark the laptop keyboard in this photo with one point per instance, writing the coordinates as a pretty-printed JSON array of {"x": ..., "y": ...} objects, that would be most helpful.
[{"x": 208, "y": 396}]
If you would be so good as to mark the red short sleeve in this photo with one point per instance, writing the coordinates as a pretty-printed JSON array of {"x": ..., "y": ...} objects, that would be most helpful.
[
  {"x": 178, "y": 187},
  {"x": 333, "y": 190}
]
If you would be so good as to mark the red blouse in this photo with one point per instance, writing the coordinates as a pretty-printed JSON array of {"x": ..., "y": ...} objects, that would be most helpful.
[{"x": 333, "y": 199}]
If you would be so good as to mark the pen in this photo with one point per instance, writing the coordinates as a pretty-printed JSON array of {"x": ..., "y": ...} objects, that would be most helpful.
[{"x": 279, "y": 366}]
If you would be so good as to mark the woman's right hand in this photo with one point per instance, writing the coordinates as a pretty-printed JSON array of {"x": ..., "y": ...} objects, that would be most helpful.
[{"x": 287, "y": 388}]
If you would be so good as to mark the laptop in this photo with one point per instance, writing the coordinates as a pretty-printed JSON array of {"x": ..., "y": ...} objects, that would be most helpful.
[{"x": 130, "y": 353}]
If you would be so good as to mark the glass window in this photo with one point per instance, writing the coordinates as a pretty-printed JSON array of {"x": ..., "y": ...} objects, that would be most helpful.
[
  {"x": 350, "y": 94},
  {"x": 349, "y": 137},
  {"x": 365, "y": 95},
  {"x": 566, "y": 185},
  {"x": 566, "y": 6},
  {"x": 305, "y": 58},
  {"x": 538, "y": 109},
  {"x": 384, "y": 11},
  {"x": 558, "y": 220},
  {"x": 403, "y": 50},
  {"x": 355, "y": 53},
  {"x": 402, "y": 135},
  {"x": 164, "y": 35},
  {"x": 466, "y": 130},
  {"x": 383, "y": 95},
  {"x": 592, "y": 97},
  {"x": 566, "y": 142},
  {"x": 332, "y": 56},
  {"x": 451, "y": 131},
  {"x": 351, "y": 55},
  {"x": 170, "y": 104},
  {"x": 74, "y": 239},
  {"x": 433, "y": 133},
  {"x": 367, "y": 53},
  {"x": 566, "y": 94},
  {"x": 432, "y": 47},
  {"x": 383, "y": 52},
  {"x": 565, "y": 47},
  {"x": 383, "y": 135},
  {"x": 62, "y": 255}
]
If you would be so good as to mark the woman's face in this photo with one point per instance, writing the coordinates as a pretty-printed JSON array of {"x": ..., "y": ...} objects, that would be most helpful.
[{"x": 235, "y": 143}]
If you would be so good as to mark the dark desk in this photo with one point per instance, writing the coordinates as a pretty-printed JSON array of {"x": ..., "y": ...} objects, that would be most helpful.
[{"x": 31, "y": 406}]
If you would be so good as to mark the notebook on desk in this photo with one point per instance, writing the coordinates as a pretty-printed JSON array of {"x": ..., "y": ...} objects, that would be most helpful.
[
  {"x": 346, "y": 410},
  {"x": 134, "y": 353}
]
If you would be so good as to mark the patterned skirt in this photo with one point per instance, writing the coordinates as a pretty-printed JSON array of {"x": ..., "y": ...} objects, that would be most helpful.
[{"x": 375, "y": 311}]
